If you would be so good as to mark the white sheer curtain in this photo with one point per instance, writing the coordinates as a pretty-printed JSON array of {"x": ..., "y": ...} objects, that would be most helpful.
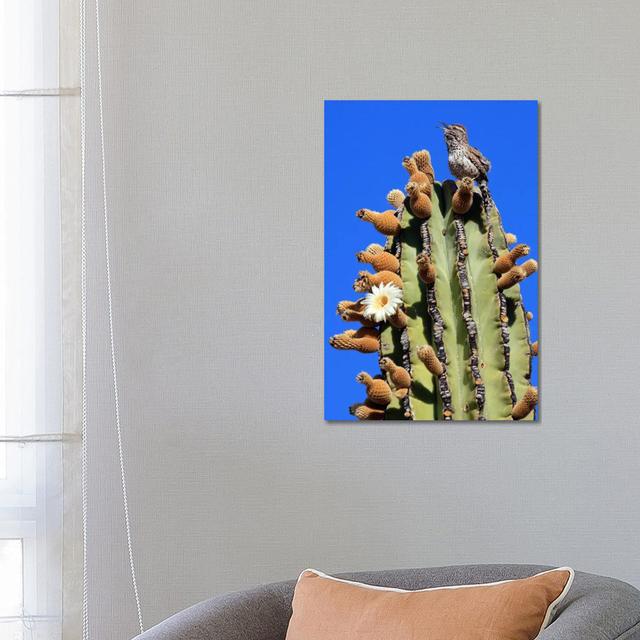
[{"x": 39, "y": 541}]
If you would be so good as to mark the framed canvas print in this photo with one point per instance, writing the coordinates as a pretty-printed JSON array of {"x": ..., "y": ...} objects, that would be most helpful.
[{"x": 431, "y": 246}]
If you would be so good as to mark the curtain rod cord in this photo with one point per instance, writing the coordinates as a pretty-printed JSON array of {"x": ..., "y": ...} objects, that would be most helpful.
[
  {"x": 83, "y": 313},
  {"x": 84, "y": 475},
  {"x": 114, "y": 370}
]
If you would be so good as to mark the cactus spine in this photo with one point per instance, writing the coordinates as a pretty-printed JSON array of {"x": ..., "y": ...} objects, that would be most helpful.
[{"x": 458, "y": 347}]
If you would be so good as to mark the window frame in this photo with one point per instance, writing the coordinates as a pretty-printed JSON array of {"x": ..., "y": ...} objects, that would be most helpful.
[{"x": 40, "y": 497}]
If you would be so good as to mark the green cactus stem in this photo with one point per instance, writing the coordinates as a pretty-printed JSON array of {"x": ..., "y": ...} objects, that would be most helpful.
[{"x": 460, "y": 346}]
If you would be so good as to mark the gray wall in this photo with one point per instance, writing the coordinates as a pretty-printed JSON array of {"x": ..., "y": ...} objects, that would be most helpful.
[{"x": 214, "y": 148}]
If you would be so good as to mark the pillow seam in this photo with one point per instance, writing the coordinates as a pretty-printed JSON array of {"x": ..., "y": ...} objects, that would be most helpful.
[{"x": 374, "y": 587}]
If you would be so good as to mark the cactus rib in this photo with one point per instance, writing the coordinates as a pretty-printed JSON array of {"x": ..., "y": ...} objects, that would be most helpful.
[
  {"x": 438, "y": 329},
  {"x": 491, "y": 217},
  {"x": 404, "y": 336},
  {"x": 472, "y": 329}
]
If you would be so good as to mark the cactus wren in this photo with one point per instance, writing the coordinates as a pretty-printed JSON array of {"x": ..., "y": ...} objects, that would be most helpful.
[{"x": 466, "y": 161}]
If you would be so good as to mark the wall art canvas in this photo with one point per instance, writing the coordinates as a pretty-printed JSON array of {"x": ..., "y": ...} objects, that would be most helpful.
[{"x": 431, "y": 260}]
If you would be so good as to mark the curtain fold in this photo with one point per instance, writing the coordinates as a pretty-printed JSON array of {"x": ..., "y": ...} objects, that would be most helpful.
[{"x": 70, "y": 185}]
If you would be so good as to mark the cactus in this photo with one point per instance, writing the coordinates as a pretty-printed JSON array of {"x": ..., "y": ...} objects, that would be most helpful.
[{"x": 442, "y": 308}]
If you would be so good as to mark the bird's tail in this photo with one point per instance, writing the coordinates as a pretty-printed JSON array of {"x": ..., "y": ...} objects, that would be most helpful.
[{"x": 487, "y": 200}]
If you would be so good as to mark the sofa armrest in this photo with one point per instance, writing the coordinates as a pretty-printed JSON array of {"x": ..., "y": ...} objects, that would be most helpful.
[
  {"x": 597, "y": 608},
  {"x": 258, "y": 614}
]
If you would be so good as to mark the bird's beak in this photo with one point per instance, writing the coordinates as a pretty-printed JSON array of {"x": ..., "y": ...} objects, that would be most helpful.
[{"x": 443, "y": 125}]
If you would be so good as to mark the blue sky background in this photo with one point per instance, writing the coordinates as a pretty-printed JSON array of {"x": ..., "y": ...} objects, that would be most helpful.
[{"x": 365, "y": 142}]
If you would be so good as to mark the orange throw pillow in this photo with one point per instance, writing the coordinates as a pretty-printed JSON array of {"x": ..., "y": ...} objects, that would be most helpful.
[{"x": 326, "y": 608}]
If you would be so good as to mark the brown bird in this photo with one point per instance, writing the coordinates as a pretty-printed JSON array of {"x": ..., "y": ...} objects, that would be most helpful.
[{"x": 466, "y": 161}]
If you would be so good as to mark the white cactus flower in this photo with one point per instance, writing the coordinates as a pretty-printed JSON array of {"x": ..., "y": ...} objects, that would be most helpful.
[{"x": 382, "y": 302}]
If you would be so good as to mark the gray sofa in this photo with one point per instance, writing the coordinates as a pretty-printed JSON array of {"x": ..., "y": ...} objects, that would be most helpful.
[{"x": 596, "y": 608}]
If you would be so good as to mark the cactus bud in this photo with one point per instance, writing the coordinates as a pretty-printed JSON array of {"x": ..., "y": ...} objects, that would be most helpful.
[
  {"x": 380, "y": 259},
  {"x": 365, "y": 340},
  {"x": 422, "y": 159},
  {"x": 513, "y": 276},
  {"x": 463, "y": 197},
  {"x": 348, "y": 305},
  {"x": 378, "y": 391},
  {"x": 356, "y": 316},
  {"x": 395, "y": 198},
  {"x": 367, "y": 411},
  {"x": 420, "y": 202},
  {"x": 529, "y": 316},
  {"x": 426, "y": 269},
  {"x": 362, "y": 283},
  {"x": 385, "y": 222},
  {"x": 508, "y": 259},
  {"x": 534, "y": 348},
  {"x": 422, "y": 179},
  {"x": 354, "y": 312},
  {"x": 529, "y": 267},
  {"x": 410, "y": 165},
  {"x": 366, "y": 280},
  {"x": 430, "y": 360},
  {"x": 526, "y": 404},
  {"x": 511, "y": 238},
  {"x": 398, "y": 319},
  {"x": 400, "y": 378}
]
